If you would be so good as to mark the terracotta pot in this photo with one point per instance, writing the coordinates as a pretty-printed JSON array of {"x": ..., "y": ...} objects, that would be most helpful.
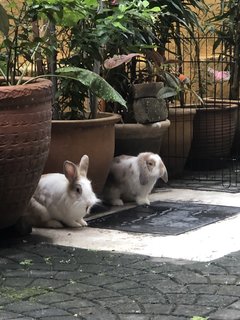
[
  {"x": 236, "y": 139},
  {"x": 74, "y": 138},
  {"x": 133, "y": 138},
  {"x": 25, "y": 131},
  {"x": 177, "y": 141},
  {"x": 214, "y": 128}
]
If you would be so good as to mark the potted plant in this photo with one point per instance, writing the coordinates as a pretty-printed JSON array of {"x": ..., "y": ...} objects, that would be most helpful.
[
  {"x": 26, "y": 108},
  {"x": 145, "y": 120},
  {"x": 77, "y": 126}
]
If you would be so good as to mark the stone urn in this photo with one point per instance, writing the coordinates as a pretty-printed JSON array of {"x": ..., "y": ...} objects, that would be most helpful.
[{"x": 147, "y": 107}]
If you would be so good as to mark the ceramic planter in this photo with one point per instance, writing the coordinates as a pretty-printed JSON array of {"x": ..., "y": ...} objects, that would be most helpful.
[
  {"x": 131, "y": 139},
  {"x": 177, "y": 141},
  {"x": 74, "y": 138},
  {"x": 25, "y": 131},
  {"x": 214, "y": 128},
  {"x": 236, "y": 139}
]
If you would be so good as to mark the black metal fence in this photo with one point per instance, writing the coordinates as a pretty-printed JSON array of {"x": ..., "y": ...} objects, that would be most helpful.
[{"x": 208, "y": 149}]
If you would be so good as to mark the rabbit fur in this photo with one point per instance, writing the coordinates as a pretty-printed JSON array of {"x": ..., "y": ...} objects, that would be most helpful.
[
  {"x": 62, "y": 199},
  {"x": 133, "y": 178}
]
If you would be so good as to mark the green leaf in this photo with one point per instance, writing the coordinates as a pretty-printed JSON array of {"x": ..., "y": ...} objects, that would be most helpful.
[
  {"x": 171, "y": 80},
  {"x": 166, "y": 92},
  {"x": 100, "y": 87},
  {"x": 4, "y": 23}
]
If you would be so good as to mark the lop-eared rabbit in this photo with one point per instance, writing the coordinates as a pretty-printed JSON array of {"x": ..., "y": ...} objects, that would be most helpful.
[{"x": 133, "y": 178}]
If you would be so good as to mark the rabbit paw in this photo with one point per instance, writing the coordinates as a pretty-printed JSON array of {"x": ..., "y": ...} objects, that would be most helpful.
[
  {"x": 53, "y": 224},
  {"x": 83, "y": 223},
  {"x": 117, "y": 202},
  {"x": 142, "y": 201}
]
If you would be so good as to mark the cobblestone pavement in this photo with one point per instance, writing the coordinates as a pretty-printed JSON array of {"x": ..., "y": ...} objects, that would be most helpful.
[{"x": 49, "y": 282}]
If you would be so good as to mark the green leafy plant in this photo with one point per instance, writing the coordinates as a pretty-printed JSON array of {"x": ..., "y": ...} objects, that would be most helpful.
[{"x": 22, "y": 46}]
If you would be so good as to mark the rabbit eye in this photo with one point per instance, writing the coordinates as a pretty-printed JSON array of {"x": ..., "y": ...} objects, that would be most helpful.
[{"x": 78, "y": 189}]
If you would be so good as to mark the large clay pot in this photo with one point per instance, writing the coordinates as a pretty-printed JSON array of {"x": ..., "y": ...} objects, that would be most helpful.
[
  {"x": 177, "y": 141},
  {"x": 71, "y": 139},
  {"x": 133, "y": 138},
  {"x": 236, "y": 139},
  {"x": 214, "y": 127},
  {"x": 25, "y": 131}
]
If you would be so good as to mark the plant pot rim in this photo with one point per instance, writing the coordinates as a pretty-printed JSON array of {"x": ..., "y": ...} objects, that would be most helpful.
[
  {"x": 34, "y": 83},
  {"x": 211, "y": 106},
  {"x": 185, "y": 110},
  {"x": 103, "y": 118}
]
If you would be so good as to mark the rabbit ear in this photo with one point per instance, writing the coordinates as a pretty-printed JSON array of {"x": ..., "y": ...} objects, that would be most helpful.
[
  {"x": 143, "y": 170},
  {"x": 163, "y": 172},
  {"x": 83, "y": 165},
  {"x": 70, "y": 170}
]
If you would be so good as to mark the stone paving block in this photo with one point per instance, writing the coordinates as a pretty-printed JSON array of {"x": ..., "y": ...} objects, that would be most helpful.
[
  {"x": 181, "y": 298},
  {"x": 235, "y": 305},
  {"x": 72, "y": 304},
  {"x": 226, "y": 314},
  {"x": 203, "y": 288},
  {"x": 208, "y": 268},
  {"x": 134, "y": 317},
  {"x": 49, "y": 283},
  {"x": 53, "y": 297},
  {"x": 76, "y": 287},
  {"x": 149, "y": 296},
  {"x": 17, "y": 282},
  {"x": 229, "y": 290},
  {"x": 102, "y": 280},
  {"x": 192, "y": 310},
  {"x": 162, "y": 317},
  {"x": 71, "y": 275},
  {"x": 169, "y": 286},
  {"x": 57, "y": 318},
  {"x": 223, "y": 279},
  {"x": 123, "y": 285},
  {"x": 49, "y": 312},
  {"x": 99, "y": 293},
  {"x": 187, "y": 276},
  {"x": 25, "y": 306},
  {"x": 5, "y": 315},
  {"x": 121, "y": 305},
  {"x": 214, "y": 300},
  {"x": 96, "y": 313},
  {"x": 157, "y": 308}
]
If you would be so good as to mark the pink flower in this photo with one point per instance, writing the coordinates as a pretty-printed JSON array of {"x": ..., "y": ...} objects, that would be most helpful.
[{"x": 219, "y": 76}]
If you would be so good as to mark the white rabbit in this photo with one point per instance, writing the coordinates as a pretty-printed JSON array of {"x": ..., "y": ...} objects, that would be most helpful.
[
  {"x": 133, "y": 178},
  {"x": 62, "y": 199}
]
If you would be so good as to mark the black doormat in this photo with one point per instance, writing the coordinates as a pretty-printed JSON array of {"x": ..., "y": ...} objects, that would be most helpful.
[{"x": 164, "y": 218}]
